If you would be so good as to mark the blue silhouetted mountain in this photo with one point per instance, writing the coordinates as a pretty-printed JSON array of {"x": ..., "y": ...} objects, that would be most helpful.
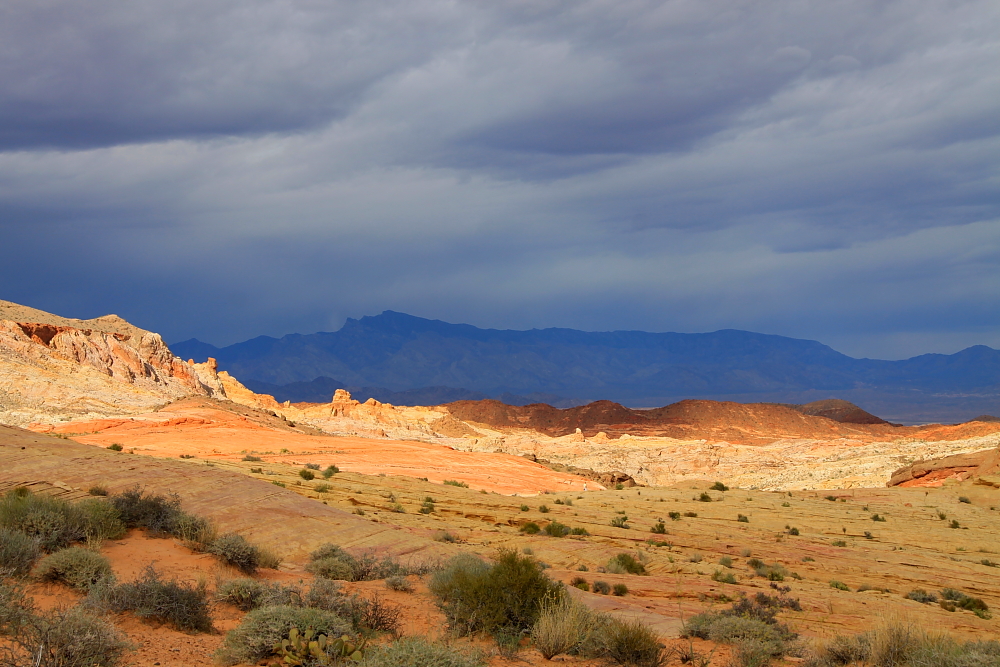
[{"x": 395, "y": 352}]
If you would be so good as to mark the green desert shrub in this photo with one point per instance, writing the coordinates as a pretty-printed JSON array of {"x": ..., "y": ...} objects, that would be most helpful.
[
  {"x": 602, "y": 587},
  {"x": 579, "y": 582},
  {"x": 330, "y": 471},
  {"x": 248, "y": 594},
  {"x": 254, "y": 638},
  {"x": 18, "y": 552},
  {"x": 399, "y": 583},
  {"x": 579, "y": 530},
  {"x": 839, "y": 585},
  {"x": 530, "y": 528},
  {"x": 625, "y": 563},
  {"x": 115, "y": 447},
  {"x": 55, "y": 523},
  {"x": 98, "y": 490},
  {"x": 252, "y": 459},
  {"x": 101, "y": 520},
  {"x": 556, "y": 529},
  {"x": 504, "y": 596},
  {"x": 322, "y": 488},
  {"x": 659, "y": 528},
  {"x": 64, "y": 638},
  {"x": 620, "y": 522},
  {"x": 156, "y": 513},
  {"x": 175, "y": 603},
  {"x": 719, "y": 486},
  {"x": 705, "y": 497},
  {"x": 629, "y": 642},
  {"x": 726, "y": 561},
  {"x": 307, "y": 474},
  {"x": 921, "y": 596},
  {"x": 619, "y": 590},
  {"x": 455, "y": 482},
  {"x": 724, "y": 577},
  {"x": 331, "y": 568},
  {"x": 333, "y": 562},
  {"x": 750, "y": 623},
  {"x": 235, "y": 550},
  {"x": 771, "y": 572},
  {"x": 563, "y": 627},
  {"x": 76, "y": 567},
  {"x": 960, "y": 600},
  {"x": 419, "y": 651}
]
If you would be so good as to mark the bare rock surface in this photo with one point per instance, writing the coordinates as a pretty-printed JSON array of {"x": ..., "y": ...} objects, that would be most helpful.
[{"x": 262, "y": 512}]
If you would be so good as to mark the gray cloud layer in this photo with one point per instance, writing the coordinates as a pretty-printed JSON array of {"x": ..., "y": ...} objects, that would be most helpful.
[{"x": 223, "y": 169}]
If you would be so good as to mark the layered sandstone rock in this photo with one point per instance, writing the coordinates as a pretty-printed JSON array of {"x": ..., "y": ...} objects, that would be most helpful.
[
  {"x": 983, "y": 465},
  {"x": 55, "y": 369}
]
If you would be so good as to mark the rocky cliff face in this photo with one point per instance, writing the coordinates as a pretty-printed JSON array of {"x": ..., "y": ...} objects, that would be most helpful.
[{"x": 54, "y": 369}]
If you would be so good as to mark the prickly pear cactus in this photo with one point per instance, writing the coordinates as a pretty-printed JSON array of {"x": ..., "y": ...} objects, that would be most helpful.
[{"x": 311, "y": 649}]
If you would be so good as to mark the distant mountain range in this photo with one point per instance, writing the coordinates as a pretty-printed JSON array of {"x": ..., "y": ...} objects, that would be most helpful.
[{"x": 402, "y": 359}]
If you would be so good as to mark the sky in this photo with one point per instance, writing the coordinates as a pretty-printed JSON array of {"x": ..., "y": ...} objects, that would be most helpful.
[{"x": 223, "y": 169}]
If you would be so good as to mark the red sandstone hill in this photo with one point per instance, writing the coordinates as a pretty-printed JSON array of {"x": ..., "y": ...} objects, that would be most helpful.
[{"x": 748, "y": 423}]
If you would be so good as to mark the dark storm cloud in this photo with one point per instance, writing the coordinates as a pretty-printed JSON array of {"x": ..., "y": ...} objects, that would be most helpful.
[{"x": 224, "y": 169}]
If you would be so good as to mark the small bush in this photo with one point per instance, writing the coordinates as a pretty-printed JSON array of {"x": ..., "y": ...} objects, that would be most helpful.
[
  {"x": 954, "y": 524},
  {"x": 115, "y": 447},
  {"x": 18, "y": 552},
  {"x": 180, "y": 605},
  {"x": 235, "y": 550},
  {"x": 399, "y": 583},
  {"x": 839, "y": 585},
  {"x": 445, "y": 536},
  {"x": 101, "y": 520},
  {"x": 964, "y": 601},
  {"x": 724, "y": 577},
  {"x": 248, "y": 594},
  {"x": 53, "y": 522},
  {"x": 579, "y": 582},
  {"x": 691, "y": 514},
  {"x": 630, "y": 643},
  {"x": 543, "y": 509},
  {"x": 563, "y": 627},
  {"x": 773, "y": 572},
  {"x": 530, "y": 528},
  {"x": 332, "y": 568},
  {"x": 455, "y": 482},
  {"x": 76, "y": 567},
  {"x": 839, "y": 543},
  {"x": 427, "y": 507},
  {"x": 674, "y": 516},
  {"x": 254, "y": 638},
  {"x": 602, "y": 587},
  {"x": 252, "y": 459},
  {"x": 877, "y": 517},
  {"x": 705, "y": 497},
  {"x": 98, "y": 490},
  {"x": 719, "y": 486},
  {"x": 579, "y": 530},
  {"x": 620, "y": 522},
  {"x": 504, "y": 596},
  {"x": 312, "y": 466},
  {"x": 419, "y": 651},
  {"x": 726, "y": 561},
  {"x": 659, "y": 528},
  {"x": 62, "y": 638},
  {"x": 619, "y": 590},
  {"x": 921, "y": 596},
  {"x": 525, "y": 508},
  {"x": 307, "y": 474},
  {"x": 742, "y": 518},
  {"x": 793, "y": 531},
  {"x": 330, "y": 471},
  {"x": 158, "y": 514},
  {"x": 625, "y": 563},
  {"x": 556, "y": 529},
  {"x": 964, "y": 499}
]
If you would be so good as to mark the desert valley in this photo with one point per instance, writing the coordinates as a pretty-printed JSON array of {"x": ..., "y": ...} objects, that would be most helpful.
[{"x": 716, "y": 532}]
